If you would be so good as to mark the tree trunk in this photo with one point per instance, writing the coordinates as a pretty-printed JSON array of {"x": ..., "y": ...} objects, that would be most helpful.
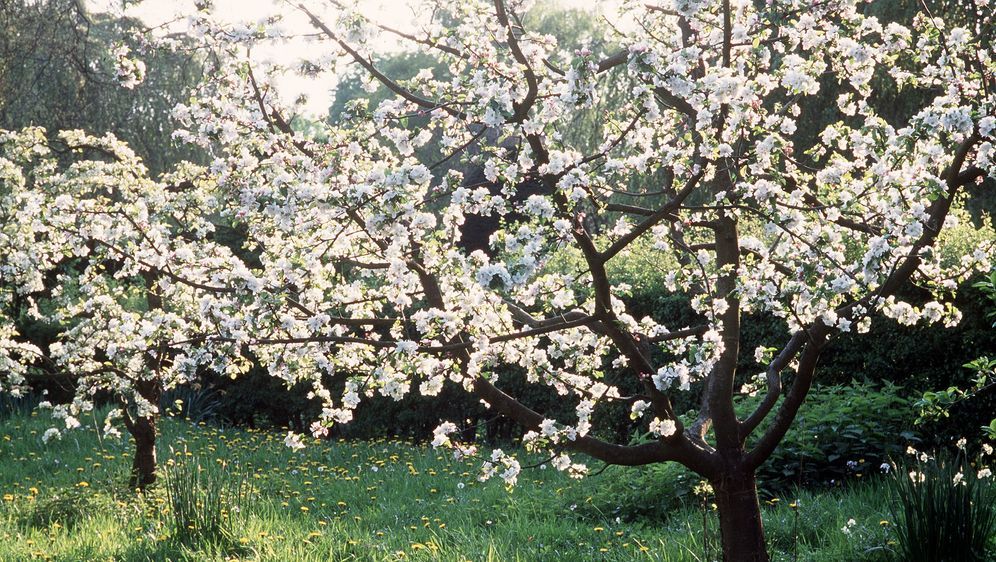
[
  {"x": 740, "y": 518},
  {"x": 143, "y": 467}
]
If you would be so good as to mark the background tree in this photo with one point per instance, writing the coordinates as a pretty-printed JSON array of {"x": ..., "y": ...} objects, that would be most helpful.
[{"x": 58, "y": 70}]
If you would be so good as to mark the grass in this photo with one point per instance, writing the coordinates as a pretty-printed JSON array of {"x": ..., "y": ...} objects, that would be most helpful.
[{"x": 380, "y": 500}]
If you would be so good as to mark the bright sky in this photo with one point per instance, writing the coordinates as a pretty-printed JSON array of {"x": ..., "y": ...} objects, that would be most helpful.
[{"x": 394, "y": 13}]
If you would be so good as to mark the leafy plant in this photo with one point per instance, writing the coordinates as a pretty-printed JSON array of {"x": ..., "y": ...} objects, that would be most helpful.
[
  {"x": 987, "y": 367},
  {"x": 11, "y": 404},
  {"x": 943, "y": 509},
  {"x": 844, "y": 431},
  {"x": 988, "y": 288},
  {"x": 935, "y": 405},
  {"x": 192, "y": 403},
  {"x": 650, "y": 494}
]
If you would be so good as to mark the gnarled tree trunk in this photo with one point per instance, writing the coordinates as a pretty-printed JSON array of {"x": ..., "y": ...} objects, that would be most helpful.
[
  {"x": 144, "y": 430},
  {"x": 740, "y": 523},
  {"x": 143, "y": 467}
]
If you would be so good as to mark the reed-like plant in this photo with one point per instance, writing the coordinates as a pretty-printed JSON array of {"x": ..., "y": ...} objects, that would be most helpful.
[
  {"x": 208, "y": 501},
  {"x": 944, "y": 509}
]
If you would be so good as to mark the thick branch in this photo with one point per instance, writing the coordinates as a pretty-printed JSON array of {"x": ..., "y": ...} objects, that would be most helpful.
[
  {"x": 661, "y": 214},
  {"x": 677, "y": 448}
]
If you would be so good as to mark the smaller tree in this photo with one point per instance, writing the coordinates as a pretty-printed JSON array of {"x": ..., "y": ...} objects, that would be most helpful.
[{"x": 120, "y": 248}]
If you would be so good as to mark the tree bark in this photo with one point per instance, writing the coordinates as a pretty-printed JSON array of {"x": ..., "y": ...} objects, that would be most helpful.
[
  {"x": 144, "y": 431},
  {"x": 143, "y": 467},
  {"x": 143, "y": 428},
  {"x": 740, "y": 518}
]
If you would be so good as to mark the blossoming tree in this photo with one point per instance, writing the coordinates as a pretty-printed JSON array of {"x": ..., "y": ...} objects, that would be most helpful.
[
  {"x": 361, "y": 280},
  {"x": 130, "y": 256}
]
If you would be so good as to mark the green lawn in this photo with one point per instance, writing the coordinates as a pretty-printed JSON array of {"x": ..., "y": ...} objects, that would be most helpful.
[{"x": 380, "y": 500}]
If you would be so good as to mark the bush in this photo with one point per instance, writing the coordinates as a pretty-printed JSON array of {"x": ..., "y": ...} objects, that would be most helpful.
[
  {"x": 12, "y": 405},
  {"x": 650, "y": 493},
  {"x": 192, "y": 403},
  {"x": 257, "y": 400},
  {"x": 841, "y": 431},
  {"x": 944, "y": 510}
]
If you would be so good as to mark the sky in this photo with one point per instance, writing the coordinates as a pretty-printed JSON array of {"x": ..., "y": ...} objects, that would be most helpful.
[{"x": 398, "y": 14}]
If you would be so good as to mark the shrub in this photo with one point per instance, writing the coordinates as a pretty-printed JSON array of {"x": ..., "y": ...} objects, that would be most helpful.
[
  {"x": 925, "y": 358},
  {"x": 17, "y": 405},
  {"x": 649, "y": 493},
  {"x": 258, "y": 400},
  {"x": 192, "y": 403},
  {"x": 843, "y": 431},
  {"x": 943, "y": 508}
]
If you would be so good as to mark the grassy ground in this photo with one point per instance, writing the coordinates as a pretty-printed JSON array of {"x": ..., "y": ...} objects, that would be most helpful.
[{"x": 380, "y": 500}]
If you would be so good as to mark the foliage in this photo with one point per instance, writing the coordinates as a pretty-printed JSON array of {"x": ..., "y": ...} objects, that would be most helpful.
[
  {"x": 937, "y": 405},
  {"x": 934, "y": 405},
  {"x": 58, "y": 70},
  {"x": 988, "y": 288},
  {"x": 11, "y": 405},
  {"x": 191, "y": 403},
  {"x": 650, "y": 495},
  {"x": 984, "y": 367},
  {"x": 944, "y": 509},
  {"x": 843, "y": 432},
  {"x": 66, "y": 509}
]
